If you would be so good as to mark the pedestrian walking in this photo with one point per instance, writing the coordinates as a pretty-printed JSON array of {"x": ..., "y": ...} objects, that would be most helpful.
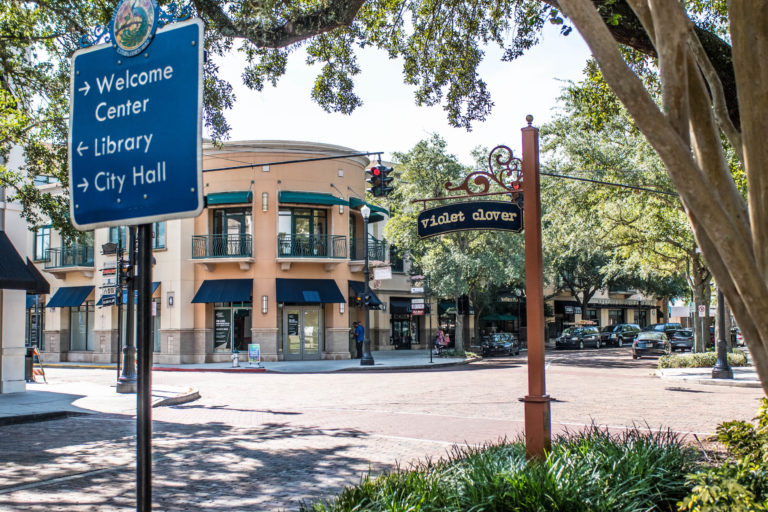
[{"x": 359, "y": 335}]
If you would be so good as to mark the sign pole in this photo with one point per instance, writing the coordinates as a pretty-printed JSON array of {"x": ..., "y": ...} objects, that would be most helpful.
[
  {"x": 119, "y": 302},
  {"x": 144, "y": 399},
  {"x": 538, "y": 431}
]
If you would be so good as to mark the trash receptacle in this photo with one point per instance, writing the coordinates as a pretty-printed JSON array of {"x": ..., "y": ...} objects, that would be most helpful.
[{"x": 29, "y": 360}]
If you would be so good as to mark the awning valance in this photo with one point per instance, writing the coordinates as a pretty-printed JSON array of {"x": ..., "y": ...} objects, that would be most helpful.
[
  {"x": 69, "y": 297},
  {"x": 310, "y": 198},
  {"x": 41, "y": 284},
  {"x": 238, "y": 197},
  {"x": 355, "y": 202},
  {"x": 358, "y": 290},
  {"x": 224, "y": 290},
  {"x": 14, "y": 274},
  {"x": 308, "y": 291}
]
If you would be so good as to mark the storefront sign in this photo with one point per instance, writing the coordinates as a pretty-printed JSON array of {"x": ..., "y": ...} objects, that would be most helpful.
[
  {"x": 254, "y": 353},
  {"x": 494, "y": 215},
  {"x": 417, "y": 312},
  {"x": 222, "y": 322},
  {"x": 382, "y": 273},
  {"x": 417, "y": 289}
]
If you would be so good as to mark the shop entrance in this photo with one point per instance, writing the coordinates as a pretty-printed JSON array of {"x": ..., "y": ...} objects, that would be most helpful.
[
  {"x": 401, "y": 331},
  {"x": 302, "y": 328},
  {"x": 231, "y": 327}
]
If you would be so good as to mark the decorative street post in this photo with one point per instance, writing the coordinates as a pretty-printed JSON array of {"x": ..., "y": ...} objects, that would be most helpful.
[
  {"x": 367, "y": 359},
  {"x": 721, "y": 370},
  {"x": 538, "y": 430},
  {"x": 127, "y": 383}
]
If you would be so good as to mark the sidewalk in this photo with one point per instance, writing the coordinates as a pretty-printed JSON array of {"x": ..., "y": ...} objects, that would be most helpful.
[
  {"x": 383, "y": 360},
  {"x": 743, "y": 377}
]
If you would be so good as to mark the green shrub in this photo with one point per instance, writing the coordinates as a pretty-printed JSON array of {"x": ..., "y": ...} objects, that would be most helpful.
[
  {"x": 701, "y": 360},
  {"x": 740, "y": 484},
  {"x": 456, "y": 353},
  {"x": 589, "y": 471}
]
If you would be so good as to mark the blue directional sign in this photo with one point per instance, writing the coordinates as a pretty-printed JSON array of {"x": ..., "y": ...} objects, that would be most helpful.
[{"x": 135, "y": 131}]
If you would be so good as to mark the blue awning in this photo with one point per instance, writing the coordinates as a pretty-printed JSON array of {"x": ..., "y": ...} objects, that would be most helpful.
[
  {"x": 69, "y": 296},
  {"x": 358, "y": 288},
  {"x": 14, "y": 274},
  {"x": 308, "y": 291},
  {"x": 31, "y": 301},
  {"x": 155, "y": 284},
  {"x": 224, "y": 290}
]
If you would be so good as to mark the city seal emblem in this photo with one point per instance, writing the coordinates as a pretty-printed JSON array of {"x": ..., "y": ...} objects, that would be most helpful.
[{"x": 133, "y": 25}]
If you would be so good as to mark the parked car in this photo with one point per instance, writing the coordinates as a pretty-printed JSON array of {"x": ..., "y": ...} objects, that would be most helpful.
[
  {"x": 500, "y": 343},
  {"x": 682, "y": 339},
  {"x": 650, "y": 342},
  {"x": 618, "y": 334},
  {"x": 579, "y": 337},
  {"x": 667, "y": 328}
]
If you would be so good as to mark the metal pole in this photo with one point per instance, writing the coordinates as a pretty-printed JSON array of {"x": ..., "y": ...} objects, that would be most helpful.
[
  {"x": 144, "y": 399},
  {"x": 721, "y": 370},
  {"x": 127, "y": 381},
  {"x": 367, "y": 359},
  {"x": 429, "y": 301},
  {"x": 538, "y": 430},
  {"x": 119, "y": 301}
]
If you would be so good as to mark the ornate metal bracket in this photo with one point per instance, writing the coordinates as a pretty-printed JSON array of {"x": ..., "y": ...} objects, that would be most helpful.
[
  {"x": 504, "y": 169},
  {"x": 100, "y": 34},
  {"x": 172, "y": 13}
]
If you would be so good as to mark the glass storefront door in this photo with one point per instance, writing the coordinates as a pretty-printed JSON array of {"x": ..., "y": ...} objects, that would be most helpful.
[
  {"x": 231, "y": 326},
  {"x": 302, "y": 332}
]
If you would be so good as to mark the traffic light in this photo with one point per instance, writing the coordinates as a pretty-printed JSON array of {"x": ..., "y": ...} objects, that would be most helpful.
[
  {"x": 386, "y": 179},
  {"x": 374, "y": 180}
]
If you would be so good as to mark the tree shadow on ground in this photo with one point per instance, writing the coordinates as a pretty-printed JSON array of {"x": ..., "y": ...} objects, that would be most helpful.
[
  {"x": 599, "y": 358},
  {"x": 87, "y": 463}
]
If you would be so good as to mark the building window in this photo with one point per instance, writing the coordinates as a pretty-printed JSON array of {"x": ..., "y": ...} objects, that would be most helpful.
[
  {"x": 303, "y": 221},
  {"x": 81, "y": 327},
  {"x": 615, "y": 316},
  {"x": 121, "y": 234},
  {"x": 232, "y": 326},
  {"x": 42, "y": 242},
  {"x": 396, "y": 260},
  {"x": 33, "y": 336},
  {"x": 590, "y": 314},
  {"x": 232, "y": 221}
]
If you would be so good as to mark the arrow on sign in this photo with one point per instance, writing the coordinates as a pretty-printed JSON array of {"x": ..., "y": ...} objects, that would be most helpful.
[
  {"x": 80, "y": 148},
  {"x": 85, "y": 88},
  {"x": 84, "y": 184}
]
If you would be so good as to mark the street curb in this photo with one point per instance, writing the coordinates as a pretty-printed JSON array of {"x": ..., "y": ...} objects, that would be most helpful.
[
  {"x": 35, "y": 418},
  {"x": 190, "y": 396},
  {"x": 209, "y": 370},
  {"x": 710, "y": 381},
  {"x": 426, "y": 366},
  {"x": 81, "y": 366}
]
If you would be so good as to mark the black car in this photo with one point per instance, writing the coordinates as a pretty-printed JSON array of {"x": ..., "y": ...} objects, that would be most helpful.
[
  {"x": 667, "y": 328},
  {"x": 618, "y": 334},
  {"x": 579, "y": 337},
  {"x": 650, "y": 342},
  {"x": 682, "y": 339},
  {"x": 500, "y": 343}
]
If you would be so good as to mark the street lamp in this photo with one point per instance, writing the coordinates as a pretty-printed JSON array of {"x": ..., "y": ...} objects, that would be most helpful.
[{"x": 367, "y": 359}]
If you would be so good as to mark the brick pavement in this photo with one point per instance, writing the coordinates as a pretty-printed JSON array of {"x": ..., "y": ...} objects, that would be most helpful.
[{"x": 265, "y": 442}]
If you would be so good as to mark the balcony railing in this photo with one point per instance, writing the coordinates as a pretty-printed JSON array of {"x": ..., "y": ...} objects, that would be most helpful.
[
  {"x": 311, "y": 246},
  {"x": 377, "y": 249},
  {"x": 73, "y": 256},
  {"x": 222, "y": 246}
]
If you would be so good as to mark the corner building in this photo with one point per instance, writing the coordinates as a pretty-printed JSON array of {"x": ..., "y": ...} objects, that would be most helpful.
[{"x": 275, "y": 258}]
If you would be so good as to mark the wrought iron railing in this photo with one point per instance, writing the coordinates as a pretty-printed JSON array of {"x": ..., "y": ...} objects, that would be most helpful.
[
  {"x": 222, "y": 246},
  {"x": 311, "y": 246},
  {"x": 72, "y": 256},
  {"x": 377, "y": 249}
]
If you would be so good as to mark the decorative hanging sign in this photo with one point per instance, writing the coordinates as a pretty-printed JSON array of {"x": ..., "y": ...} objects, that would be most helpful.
[{"x": 494, "y": 215}]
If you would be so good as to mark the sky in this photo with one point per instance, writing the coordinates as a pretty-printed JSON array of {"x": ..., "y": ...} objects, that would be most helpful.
[{"x": 389, "y": 119}]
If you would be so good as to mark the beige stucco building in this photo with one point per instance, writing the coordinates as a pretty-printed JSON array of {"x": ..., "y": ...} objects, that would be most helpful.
[{"x": 275, "y": 259}]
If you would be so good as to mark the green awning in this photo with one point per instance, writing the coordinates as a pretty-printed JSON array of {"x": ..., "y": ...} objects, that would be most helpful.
[
  {"x": 243, "y": 196},
  {"x": 355, "y": 202},
  {"x": 375, "y": 217},
  {"x": 310, "y": 198}
]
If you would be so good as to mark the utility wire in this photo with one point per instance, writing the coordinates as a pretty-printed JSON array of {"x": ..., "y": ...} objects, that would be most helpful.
[{"x": 618, "y": 185}]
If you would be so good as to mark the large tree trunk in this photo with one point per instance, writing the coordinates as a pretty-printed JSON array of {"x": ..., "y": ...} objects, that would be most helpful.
[
  {"x": 700, "y": 279},
  {"x": 732, "y": 234}
]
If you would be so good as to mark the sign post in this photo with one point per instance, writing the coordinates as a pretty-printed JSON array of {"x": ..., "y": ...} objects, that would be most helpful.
[{"x": 135, "y": 156}]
